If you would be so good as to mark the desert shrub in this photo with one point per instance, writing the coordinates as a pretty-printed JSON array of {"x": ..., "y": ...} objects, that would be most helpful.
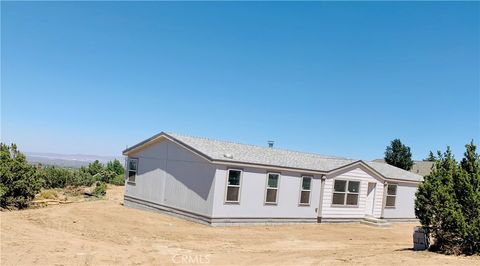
[
  {"x": 55, "y": 177},
  {"x": 115, "y": 166},
  {"x": 448, "y": 203},
  {"x": 108, "y": 176},
  {"x": 58, "y": 177},
  {"x": 19, "y": 181},
  {"x": 118, "y": 180},
  {"x": 95, "y": 167},
  {"x": 80, "y": 178},
  {"x": 100, "y": 189}
]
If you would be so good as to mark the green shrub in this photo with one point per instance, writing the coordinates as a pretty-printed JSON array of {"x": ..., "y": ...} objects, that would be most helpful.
[
  {"x": 55, "y": 177},
  {"x": 95, "y": 167},
  {"x": 19, "y": 181},
  {"x": 448, "y": 203},
  {"x": 107, "y": 176},
  {"x": 118, "y": 180},
  {"x": 58, "y": 177},
  {"x": 80, "y": 178},
  {"x": 115, "y": 166},
  {"x": 110, "y": 177},
  {"x": 100, "y": 189}
]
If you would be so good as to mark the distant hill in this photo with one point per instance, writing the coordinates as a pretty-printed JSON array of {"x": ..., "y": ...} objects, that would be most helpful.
[{"x": 67, "y": 160}]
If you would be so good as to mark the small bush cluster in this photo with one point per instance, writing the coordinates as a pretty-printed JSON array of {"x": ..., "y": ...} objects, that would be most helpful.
[
  {"x": 100, "y": 189},
  {"x": 58, "y": 177},
  {"x": 20, "y": 182},
  {"x": 118, "y": 180},
  {"x": 112, "y": 173}
]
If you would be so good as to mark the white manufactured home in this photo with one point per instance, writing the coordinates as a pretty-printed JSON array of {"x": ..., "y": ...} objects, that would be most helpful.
[{"x": 219, "y": 183}]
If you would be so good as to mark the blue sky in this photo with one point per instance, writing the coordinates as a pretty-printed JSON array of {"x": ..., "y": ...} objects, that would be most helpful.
[{"x": 332, "y": 78}]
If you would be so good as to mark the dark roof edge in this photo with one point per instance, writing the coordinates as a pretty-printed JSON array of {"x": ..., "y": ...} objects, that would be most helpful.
[{"x": 141, "y": 143}]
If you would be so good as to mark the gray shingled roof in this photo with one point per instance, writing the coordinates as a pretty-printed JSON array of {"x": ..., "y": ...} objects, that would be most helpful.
[
  {"x": 392, "y": 172},
  {"x": 422, "y": 168},
  {"x": 251, "y": 154}
]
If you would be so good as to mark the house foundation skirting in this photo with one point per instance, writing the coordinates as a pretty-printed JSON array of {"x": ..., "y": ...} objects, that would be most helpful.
[
  {"x": 328, "y": 220},
  {"x": 137, "y": 203},
  {"x": 260, "y": 221},
  {"x": 156, "y": 207},
  {"x": 214, "y": 221},
  {"x": 402, "y": 220}
]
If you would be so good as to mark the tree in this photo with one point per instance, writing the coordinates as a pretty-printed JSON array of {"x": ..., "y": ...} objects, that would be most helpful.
[
  {"x": 95, "y": 167},
  {"x": 19, "y": 181},
  {"x": 448, "y": 202},
  {"x": 431, "y": 157},
  {"x": 399, "y": 155},
  {"x": 116, "y": 166}
]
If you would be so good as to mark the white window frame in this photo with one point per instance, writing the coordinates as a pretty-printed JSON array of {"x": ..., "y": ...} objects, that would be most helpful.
[
  {"x": 267, "y": 187},
  {"x": 239, "y": 186},
  {"x": 346, "y": 193},
  {"x": 391, "y": 195},
  {"x": 305, "y": 190},
  {"x": 129, "y": 170}
]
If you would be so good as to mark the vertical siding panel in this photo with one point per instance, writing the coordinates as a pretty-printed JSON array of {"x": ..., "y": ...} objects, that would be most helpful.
[
  {"x": 172, "y": 176},
  {"x": 404, "y": 204},
  {"x": 252, "y": 201}
]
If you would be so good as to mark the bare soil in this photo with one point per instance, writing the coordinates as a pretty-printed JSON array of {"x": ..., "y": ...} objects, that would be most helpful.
[{"x": 104, "y": 232}]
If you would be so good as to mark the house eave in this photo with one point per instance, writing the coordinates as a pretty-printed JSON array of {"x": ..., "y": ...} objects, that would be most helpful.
[{"x": 267, "y": 166}]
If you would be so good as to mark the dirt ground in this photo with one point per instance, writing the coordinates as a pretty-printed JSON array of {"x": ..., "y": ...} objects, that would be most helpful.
[{"x": 104, "y": 232}]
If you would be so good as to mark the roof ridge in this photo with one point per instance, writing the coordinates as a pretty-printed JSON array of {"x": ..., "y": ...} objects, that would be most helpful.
[{"x": 262, "y": 147}]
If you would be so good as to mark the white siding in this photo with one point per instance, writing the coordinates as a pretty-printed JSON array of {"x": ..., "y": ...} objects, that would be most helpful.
[
  {"x": 404, "y": 203},
  {"x": 329, "y": 211},
  {"x": 172, "y": 176},
  {"x": 252, "y": 196}
]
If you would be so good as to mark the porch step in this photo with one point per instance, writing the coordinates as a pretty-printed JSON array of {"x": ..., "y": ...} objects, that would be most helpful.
[{"x": 372, "y": 221}]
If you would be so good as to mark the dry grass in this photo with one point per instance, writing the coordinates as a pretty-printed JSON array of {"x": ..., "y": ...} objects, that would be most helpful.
[
  {"x": 47, "y": 194},
  {"x": 57, "y": 196},
  {"x": 104, "y": 232}
]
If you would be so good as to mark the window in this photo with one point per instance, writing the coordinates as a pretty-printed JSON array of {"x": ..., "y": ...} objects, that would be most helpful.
[
  {"x": 305, "y": 190},
  {"x": 272, "y": 188},
  {"x": 132, "y": 169},
  {"x": 391, "y": 195},
  {"x": 345, "y": 192},
  {"x": 233, "y": 185}
]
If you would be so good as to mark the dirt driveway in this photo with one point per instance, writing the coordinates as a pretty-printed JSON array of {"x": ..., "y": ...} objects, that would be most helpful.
[{"x": 104, "y": 232}]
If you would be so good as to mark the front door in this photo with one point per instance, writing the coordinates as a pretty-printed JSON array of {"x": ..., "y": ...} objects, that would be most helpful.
[{"x": 370, "y": 198}]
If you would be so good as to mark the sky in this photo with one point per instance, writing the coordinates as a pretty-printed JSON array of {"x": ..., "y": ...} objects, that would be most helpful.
[{"x": 334, "y": 78}]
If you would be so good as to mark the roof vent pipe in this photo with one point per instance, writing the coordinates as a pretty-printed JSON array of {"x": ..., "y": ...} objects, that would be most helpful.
[{"x": 270, "y": 143}]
